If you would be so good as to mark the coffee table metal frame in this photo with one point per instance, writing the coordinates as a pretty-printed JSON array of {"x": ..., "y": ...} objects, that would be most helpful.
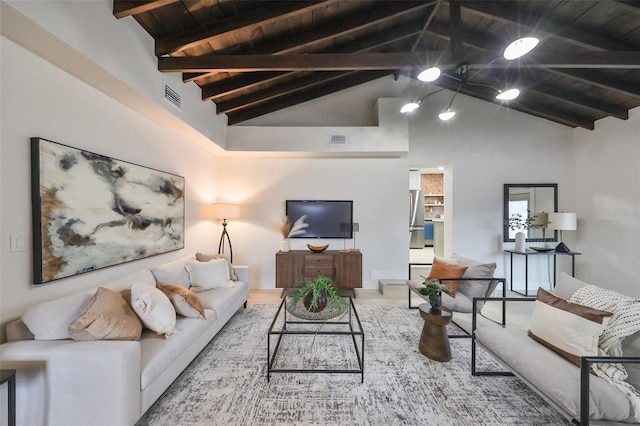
[{"x": 356, "y": 333}]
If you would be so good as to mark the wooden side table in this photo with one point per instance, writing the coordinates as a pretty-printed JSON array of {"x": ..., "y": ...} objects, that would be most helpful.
[
  {"x": 434, "y": 342},
  {"x": 9, "y": 377}
]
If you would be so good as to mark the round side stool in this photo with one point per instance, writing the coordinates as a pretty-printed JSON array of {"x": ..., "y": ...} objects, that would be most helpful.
[{"x": 434, "y": 343}]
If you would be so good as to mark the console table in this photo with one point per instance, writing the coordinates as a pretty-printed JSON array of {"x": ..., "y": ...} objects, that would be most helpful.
[
  {"x": 344, "y": 267},
  {"x": 530, "y": 252}
]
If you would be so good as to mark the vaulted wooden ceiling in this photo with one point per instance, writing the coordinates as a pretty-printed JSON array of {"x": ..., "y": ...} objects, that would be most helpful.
[{"x": 253, "y": 57}]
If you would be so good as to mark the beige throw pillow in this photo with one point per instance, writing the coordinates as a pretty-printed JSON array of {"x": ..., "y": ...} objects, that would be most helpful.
[
  {"x": 569, "y": 329},
  {"x": 208, "y": 275},
  {"x": 186, "y": 302},
  {"x": 207, "y": 257},
  {"x": 107, "y": 317}
]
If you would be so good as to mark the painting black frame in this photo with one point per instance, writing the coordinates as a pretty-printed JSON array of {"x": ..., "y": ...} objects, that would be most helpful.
[{"x": 132, "y": 215}]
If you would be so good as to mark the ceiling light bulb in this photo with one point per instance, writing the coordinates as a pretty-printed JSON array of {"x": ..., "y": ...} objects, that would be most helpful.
[
  {"x": 430, "y": 74},
  {"x": 508, "y": 95},
  {"x": 409, "y": 106},
  {"x": 520, "y": 47},
  {"x": 446, "y": 115}
]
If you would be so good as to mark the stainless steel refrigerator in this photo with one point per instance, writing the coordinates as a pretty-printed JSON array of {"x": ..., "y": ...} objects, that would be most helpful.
[{"x": 416, "y": 218}]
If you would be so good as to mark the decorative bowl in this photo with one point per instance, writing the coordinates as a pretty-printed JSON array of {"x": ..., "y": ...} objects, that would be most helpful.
[
  {"x": 317, "y": 249},
  {"x": 542, "y": 248}
]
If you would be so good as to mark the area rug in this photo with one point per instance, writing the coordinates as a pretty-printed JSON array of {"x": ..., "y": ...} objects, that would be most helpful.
[{"x": 227, "y": 383}]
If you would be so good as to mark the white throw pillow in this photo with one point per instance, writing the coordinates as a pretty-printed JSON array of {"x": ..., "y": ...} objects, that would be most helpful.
[
  {"x": 154, "y": 309},
  {"x": 208, "y": 275},
  {"x": 172, "y": 273}
]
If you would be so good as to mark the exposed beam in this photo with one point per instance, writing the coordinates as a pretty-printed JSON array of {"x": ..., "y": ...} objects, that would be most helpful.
[
  {"x": 455, "y": 22},
  {"x": 544, "y": 25},
  {"x": 309, "y": 39},
  {"x": 381, "y": 61},
  {"x": 246, "y": 81},
  {"x": 602, "y": 81},
  {"x": 327, "y": 89},
  {"x": 270, "y": 13},
  {"x": 123, "y": 8},
  {"x": 628, "y": 5}
]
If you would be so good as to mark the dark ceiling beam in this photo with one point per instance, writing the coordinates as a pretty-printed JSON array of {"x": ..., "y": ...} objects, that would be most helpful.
[
  {"x": 381, "y": 13},
  {"x": 455, "y": 22},
  {"x": 427, "y": 22},
  {"x": 549, "y": 27},
  {"x": 279, "y": 90},
  {"x": 381, "y": 61},
  {"x": 351, "y": 80},
  {"x": 271, "y": 12},
  {"x": 229, "y": 86},
  {"x": 123, "y": 8}
]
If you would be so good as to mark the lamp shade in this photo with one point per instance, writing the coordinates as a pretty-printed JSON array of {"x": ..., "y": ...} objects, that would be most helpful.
[
  {"x": 224, "y": 211},
  {"x": 563, "y": 221}
]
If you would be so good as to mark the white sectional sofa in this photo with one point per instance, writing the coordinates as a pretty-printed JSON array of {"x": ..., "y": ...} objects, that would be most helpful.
[
  {"x": 79, "y": 383},
  {"x": 553, "y": 358}
]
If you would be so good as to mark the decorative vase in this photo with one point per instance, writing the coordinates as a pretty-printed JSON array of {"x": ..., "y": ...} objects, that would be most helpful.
[
  {"x": 435, "y": 301},
  {"x": 285, "y": 245},
  {"x": 520, "y": 240},
  {"x": 322, "y": 301}
]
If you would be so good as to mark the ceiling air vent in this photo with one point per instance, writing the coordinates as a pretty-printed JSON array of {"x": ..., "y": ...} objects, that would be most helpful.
[
  {"x": 172, "y": 97},
  {"x": 338, "y": 139}
]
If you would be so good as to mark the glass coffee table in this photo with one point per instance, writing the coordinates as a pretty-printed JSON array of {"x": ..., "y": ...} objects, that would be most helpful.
[{"x": 310, "y": 343}]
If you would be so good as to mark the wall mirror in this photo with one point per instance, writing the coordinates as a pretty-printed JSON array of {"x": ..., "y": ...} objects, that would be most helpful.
[{"x": 530, "y": 199}]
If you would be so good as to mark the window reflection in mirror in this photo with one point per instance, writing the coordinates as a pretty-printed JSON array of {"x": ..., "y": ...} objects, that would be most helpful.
[{"x": 529, "y": 201}]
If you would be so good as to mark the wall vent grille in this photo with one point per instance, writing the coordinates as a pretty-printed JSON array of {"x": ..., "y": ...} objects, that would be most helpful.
[
  {"x": 338, "y": 139},
  {"x": 172, "y": 97}
]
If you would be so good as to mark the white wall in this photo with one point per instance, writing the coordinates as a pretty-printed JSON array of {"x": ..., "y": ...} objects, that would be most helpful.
[
  {"x": 377, "y": 186},
  {"x": 487, "y": 146},
  {"x": 39, "y": 99},
  {"x": 608, "y": 203}
]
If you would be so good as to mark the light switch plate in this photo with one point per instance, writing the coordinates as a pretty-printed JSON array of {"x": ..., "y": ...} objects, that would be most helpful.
[{"x": 19, "y": 242}]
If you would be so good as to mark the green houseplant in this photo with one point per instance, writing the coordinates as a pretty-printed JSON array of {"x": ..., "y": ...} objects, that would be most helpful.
[
  {"x": 433, "y": 288},
  {"x": 317, "y": 292}
]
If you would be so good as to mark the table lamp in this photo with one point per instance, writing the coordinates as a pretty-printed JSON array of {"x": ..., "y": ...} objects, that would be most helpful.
[
  {"x": 225, "y": 211},
  {"x": 562, "y": 222}
]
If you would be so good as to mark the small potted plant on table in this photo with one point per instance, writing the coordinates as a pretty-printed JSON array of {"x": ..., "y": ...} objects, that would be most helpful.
[
  {"x": 433, "y": 288},
  {"x": 316, "y": 293}
]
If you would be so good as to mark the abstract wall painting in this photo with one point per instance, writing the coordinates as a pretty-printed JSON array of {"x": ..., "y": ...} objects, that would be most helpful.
[{"x": 91, "y": 211}]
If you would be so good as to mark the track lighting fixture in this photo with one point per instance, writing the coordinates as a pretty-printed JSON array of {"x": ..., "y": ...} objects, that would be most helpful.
[{"x": 514, "y": 50}]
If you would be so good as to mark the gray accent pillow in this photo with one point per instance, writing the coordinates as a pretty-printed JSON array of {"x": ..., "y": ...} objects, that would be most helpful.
[{"x": 566, "y": 286}]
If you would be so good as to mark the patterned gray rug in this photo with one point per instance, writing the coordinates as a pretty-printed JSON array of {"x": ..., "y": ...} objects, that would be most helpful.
[{"x": 227, "y": 385}]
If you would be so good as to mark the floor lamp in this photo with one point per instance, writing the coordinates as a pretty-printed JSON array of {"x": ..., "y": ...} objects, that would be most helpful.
[
  {"x": 225, "y": 211},
  {"x": 562, "y": 222}
]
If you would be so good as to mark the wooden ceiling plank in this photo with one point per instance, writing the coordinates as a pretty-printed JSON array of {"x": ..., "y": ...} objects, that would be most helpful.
[
  {"x": 379, "y": 61},
  {"x": 599, "y": 80},
  {"x": 255, "y": 17},
  {"x": 550, "y": 27},
  {"x": 124, "y": 8},
  {"x": 343, "y": 27},
  {"x": 628, "y": 5},
  {"x": 352, "y": 80}
]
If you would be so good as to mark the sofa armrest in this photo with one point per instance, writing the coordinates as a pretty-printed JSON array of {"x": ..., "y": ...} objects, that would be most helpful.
[
  {"x": 585, "y": 379},
  {"x": 243, "y": 273},
  {"x": 62, "y": 382}
]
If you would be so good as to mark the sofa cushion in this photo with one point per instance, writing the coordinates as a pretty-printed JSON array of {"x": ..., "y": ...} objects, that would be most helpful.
[
  {"x": 185, "y": 302},
  {"x": 50, "y": 320},
  {"x": 566, "y": 286},
  {"x": 207, "y": 257},
  {"x": 570, "y": 329},
  {"x": 631, "y": 348},
  {"x": 173, "y": 272},
  {"x": 154, "y": 309},
  {"x": 443, "y": 269},
  {"x": 553, "y": 376},
  {"x": 107, "y": 317},
  {"x": 209, "y": 275}
]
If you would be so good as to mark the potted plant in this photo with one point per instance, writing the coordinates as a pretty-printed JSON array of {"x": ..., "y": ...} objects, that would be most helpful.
[
  {"x": 317, "y": 292},
  {"x": 433, "y": 288}
]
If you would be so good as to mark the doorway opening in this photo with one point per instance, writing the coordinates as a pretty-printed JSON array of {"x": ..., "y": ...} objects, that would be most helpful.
[{"x": 430, "y": 217}]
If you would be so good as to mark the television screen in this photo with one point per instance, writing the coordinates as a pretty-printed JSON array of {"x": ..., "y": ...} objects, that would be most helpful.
[{"x": 326, "y": 219}]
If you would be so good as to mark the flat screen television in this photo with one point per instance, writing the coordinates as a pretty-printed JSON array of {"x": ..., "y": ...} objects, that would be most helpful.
[{"x": 326, "y": 219}]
